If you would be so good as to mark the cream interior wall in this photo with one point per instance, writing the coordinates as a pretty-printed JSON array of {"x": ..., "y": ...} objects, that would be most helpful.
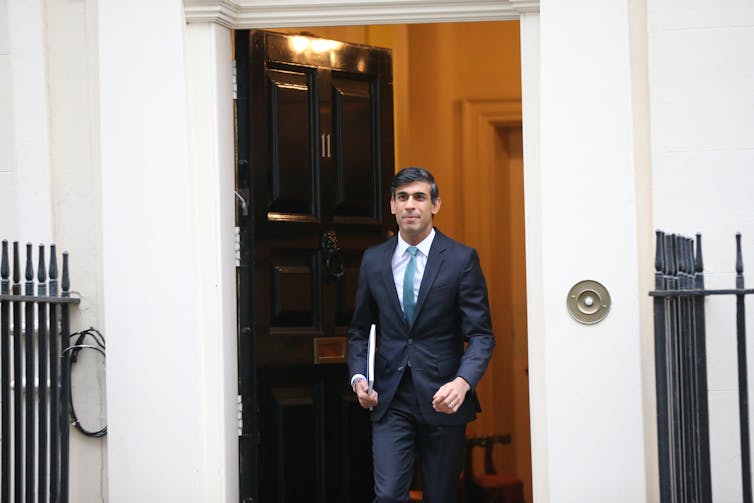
[
  {"x": 701, "y": 76},
  {"x": 451, "y": 62}
]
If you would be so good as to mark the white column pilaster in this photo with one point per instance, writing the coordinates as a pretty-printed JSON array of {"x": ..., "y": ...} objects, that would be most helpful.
[
  {"x": 210, "y": 98},
  {"x": 530, "y": 101},
  {"x": 593, "y": 374},
  {"x": 155, "y": 370}
]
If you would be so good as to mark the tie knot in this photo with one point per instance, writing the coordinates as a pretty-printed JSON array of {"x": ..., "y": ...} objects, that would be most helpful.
[{"x": 412, "y": 250}]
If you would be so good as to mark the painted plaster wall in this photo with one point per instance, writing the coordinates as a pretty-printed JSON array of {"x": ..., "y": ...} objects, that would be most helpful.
[
  {"x": 49, "y": 182},
  {"x": 588, "y": 214},
  {"x": 701, "y": 76},
  {"x": 8, "y": 223}
]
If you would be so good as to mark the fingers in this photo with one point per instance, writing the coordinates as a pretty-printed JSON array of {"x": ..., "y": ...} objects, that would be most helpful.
[
  {"x": 448, "y": 398},
  {"x": 366, "y": 400},
  {"x": 448, "y": 406}
]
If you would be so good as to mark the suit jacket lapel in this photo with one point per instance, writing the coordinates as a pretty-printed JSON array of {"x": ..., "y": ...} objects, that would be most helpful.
[
  {"x": 387, "y": 277},
  {"x": 434, "y": 264}
]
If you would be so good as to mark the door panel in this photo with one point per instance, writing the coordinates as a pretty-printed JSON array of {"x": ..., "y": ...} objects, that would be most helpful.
[
  {"x": 293, "y": 108},
  {"x": 314, "y": 126},
  {"x": 353, "y": 126}
]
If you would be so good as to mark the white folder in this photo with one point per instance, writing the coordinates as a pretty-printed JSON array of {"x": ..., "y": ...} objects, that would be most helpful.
[{"x": 370, "y": 356}]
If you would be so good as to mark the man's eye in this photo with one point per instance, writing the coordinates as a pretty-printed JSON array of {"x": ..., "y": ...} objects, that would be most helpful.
[
  {"x": 402, "y": 197},
  {"x": 419, "y": 197}
]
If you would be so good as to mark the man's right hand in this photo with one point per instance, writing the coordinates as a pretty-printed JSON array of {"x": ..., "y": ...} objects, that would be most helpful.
[{"x": 366, "y": 400}]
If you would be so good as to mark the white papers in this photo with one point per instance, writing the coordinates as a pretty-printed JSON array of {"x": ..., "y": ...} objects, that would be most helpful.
[{"x": 370, "y": 356}]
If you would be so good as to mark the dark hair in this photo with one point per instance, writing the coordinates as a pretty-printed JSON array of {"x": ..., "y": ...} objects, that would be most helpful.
[{"x": 415, "y": 174}]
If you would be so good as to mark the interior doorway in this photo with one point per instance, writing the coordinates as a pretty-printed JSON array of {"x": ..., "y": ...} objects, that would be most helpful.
[{"x": 442, "y": 73}]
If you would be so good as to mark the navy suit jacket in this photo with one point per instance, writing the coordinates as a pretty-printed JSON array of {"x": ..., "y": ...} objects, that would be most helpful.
[{"x": 451, "y": 309}]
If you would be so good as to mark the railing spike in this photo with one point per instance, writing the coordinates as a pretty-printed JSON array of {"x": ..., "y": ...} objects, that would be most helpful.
[
  {"x": 16, "y": 264},
  {"x": 66, "y": 284},
  {"x": 681, "y": 250},
  {"x": 688, "y": 261},
  {"x": 699, "y": 262},
  {"x": 673, "y": 255},
  {"x": 53, "y": 271},
  {"x": 667, "y": 249},
  {"x": 4, "y": 268},
  {"x": 29, "y": 270},
  {"x": 659, "y": 241},
  {"x": 42, "y": 272},
  {"x": 739, "y": 257}
]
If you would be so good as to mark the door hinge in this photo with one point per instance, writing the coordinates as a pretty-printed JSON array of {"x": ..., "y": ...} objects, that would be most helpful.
[
  {"x": 234, "y": 77},
  {"x": 239, "y": 403},
  {"x": 237, "y": 246}
]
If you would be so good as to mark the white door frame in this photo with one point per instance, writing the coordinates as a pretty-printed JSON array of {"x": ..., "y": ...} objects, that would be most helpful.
[{"x": 220, "y": 16}]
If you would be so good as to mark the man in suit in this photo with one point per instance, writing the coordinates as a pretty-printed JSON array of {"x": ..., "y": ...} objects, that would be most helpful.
[{"x": 427, "y": 296}]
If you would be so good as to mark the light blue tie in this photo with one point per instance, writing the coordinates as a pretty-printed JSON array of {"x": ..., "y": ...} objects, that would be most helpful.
[{"x": 409, "y": 303}]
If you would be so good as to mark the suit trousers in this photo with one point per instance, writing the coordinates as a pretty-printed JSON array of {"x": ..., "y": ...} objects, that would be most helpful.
[{"x": 399, "y": 436}]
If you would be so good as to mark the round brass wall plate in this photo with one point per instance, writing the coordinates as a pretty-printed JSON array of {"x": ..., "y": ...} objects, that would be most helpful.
[{"x": 588, "y": 302}]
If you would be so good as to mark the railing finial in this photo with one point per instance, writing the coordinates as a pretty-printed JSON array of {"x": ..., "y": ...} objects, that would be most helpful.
[
  {"x": 690, "y": 256},
  {"x": 29, "y": 271},
  {"x": 53, "y": 271},
  {"x": 739, "y": 256},
  {"x": 673, "y": 254},
  {"x": 659, "y": 250},
  {"x": 66, "y": 281},
  {"x": 16, "y": 266},
  {"x": 4, "y": 268},
  {"x": 699, "y": 262},
  {"x": 42, "y": 273}
]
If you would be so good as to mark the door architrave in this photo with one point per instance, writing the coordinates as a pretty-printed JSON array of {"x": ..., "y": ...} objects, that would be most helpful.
[{"x": 247, "y": 14}]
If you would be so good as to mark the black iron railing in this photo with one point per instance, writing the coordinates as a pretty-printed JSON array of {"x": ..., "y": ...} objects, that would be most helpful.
[
  {"x": 34, "y": 378},
  {"x": 681, "y": 370}
]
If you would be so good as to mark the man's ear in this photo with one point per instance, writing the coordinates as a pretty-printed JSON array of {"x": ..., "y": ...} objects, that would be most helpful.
[
  {"x": 392, "y": 205},
  {"x": 436, "y": 206}
]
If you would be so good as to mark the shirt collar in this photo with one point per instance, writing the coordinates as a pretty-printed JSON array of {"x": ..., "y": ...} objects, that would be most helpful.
[{"x": 423, "y": 246}]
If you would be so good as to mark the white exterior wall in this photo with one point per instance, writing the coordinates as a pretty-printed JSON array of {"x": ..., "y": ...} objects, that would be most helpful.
[
  {"x": 155, "y": 376},
  {"x": 74, "y": 177},
  {"x": 125, "y": 144},
  {"x": 49, "y": 181},
  {"x": 24, "y": 171},
  {"x": 588, "y": 211},
  {"x": 8, "y": 195},
  {"x": 701, "y": 74}
]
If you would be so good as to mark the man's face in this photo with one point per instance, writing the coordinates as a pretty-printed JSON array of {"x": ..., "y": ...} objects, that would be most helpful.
[{"x": 413, "y": 210}]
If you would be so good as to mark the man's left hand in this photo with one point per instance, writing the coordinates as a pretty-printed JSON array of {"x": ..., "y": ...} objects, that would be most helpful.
[{"x": 450, "y": 396}]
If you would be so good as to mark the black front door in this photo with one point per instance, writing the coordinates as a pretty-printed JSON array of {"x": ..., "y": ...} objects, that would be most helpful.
[{"x": 315, "y": 157}]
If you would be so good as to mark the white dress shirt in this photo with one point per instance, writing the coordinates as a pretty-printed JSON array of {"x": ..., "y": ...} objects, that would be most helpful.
[{"x": 399, "y": 263}]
